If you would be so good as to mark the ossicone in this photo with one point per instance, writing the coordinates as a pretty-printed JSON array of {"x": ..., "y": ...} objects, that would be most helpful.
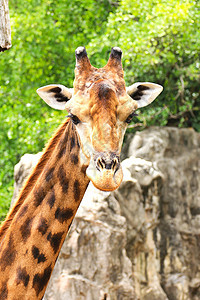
[
  {"x": 82, "y": 60},
  {"x": 114, "y": 61}
]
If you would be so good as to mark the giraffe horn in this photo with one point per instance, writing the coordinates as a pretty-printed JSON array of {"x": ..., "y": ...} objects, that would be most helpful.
[
  {"x": 115, "y": 58},
  {"x": 82, "y": 60}
]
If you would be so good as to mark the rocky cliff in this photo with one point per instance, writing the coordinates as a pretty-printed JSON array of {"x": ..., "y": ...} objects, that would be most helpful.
[{"x": 143, "y": 240}]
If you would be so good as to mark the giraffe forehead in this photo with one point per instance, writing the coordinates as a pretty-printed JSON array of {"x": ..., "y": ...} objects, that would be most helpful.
[
  {"x": 100, "y": 98},
  {"x": 103, "y": 91},
  {"x": 103, "y": 99},
  {"x": 84, "y": 81}
]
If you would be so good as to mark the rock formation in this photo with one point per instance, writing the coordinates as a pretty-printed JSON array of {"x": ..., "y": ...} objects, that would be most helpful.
[{"x": 143, "y": 240}]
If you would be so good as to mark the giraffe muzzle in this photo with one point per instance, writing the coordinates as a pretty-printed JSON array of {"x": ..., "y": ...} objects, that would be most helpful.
[
  {"x": 102, "y": 164},
  {"x": 105, "y": 172}
]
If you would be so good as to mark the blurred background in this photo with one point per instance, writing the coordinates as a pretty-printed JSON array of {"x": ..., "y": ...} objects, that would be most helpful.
[{"x": 160, "y": 41}]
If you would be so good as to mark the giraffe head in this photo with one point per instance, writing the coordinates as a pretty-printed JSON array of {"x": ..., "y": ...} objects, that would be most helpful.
[{"x": 100, "y": 106}]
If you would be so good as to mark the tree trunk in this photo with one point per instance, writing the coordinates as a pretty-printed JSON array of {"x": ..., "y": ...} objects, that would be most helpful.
[{"x": 5, "y": 31}]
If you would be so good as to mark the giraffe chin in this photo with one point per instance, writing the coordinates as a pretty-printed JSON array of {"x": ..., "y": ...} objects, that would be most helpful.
[{"x": 105, "y": 180}]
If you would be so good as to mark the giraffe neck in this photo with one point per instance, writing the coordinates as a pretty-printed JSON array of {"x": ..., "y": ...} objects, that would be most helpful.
[{"x": 40, "y": 220}]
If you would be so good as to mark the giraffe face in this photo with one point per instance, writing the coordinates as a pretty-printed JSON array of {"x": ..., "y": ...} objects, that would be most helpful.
[
  {"x": 100, "y": 119},
  {"x": 100, "y": 106}
]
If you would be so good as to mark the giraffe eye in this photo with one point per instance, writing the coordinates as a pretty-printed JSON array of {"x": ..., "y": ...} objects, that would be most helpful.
[
  {"x": 133, "y": 114},
  {"x": 74, "y": 118}
]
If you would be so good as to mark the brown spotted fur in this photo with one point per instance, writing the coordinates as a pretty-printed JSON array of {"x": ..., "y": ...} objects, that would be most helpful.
[
  {"x": 36, "y": 227},
  {"x": 30, "y": 182}
]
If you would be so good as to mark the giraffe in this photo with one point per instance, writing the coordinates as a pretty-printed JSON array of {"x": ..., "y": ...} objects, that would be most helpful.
[{"x": 86, "y": 147}]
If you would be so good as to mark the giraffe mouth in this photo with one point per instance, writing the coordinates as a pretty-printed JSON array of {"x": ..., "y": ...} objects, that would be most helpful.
[{"x": 105, "y": 179}]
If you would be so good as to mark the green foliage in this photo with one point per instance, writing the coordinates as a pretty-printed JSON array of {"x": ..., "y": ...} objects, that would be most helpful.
[
  {"x": 5, "y": 199},
  {"x": 160, "y": 41}
]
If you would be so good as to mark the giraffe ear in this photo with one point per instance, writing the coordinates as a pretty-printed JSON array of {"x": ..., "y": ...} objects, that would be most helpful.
[
  {"x": 144, "y": 92},
  {"x": 55, "y": 95}
]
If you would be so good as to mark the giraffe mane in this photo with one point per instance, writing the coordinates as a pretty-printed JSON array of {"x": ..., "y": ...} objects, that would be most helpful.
[{"x": 31, "y": 180}]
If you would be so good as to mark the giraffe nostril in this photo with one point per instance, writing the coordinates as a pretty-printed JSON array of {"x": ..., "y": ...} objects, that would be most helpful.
[
  {"x": 102, "y": 164},
  {"x": 114, "y": 163}
]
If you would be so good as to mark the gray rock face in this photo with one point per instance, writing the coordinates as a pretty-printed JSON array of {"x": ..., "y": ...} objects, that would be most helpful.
[
  {"x": 141, "y": 241},
  {"x": 177, "y": 236}
]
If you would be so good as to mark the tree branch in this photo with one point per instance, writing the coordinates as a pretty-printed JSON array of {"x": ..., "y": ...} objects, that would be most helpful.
[{"x": 5, "y": 31}]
